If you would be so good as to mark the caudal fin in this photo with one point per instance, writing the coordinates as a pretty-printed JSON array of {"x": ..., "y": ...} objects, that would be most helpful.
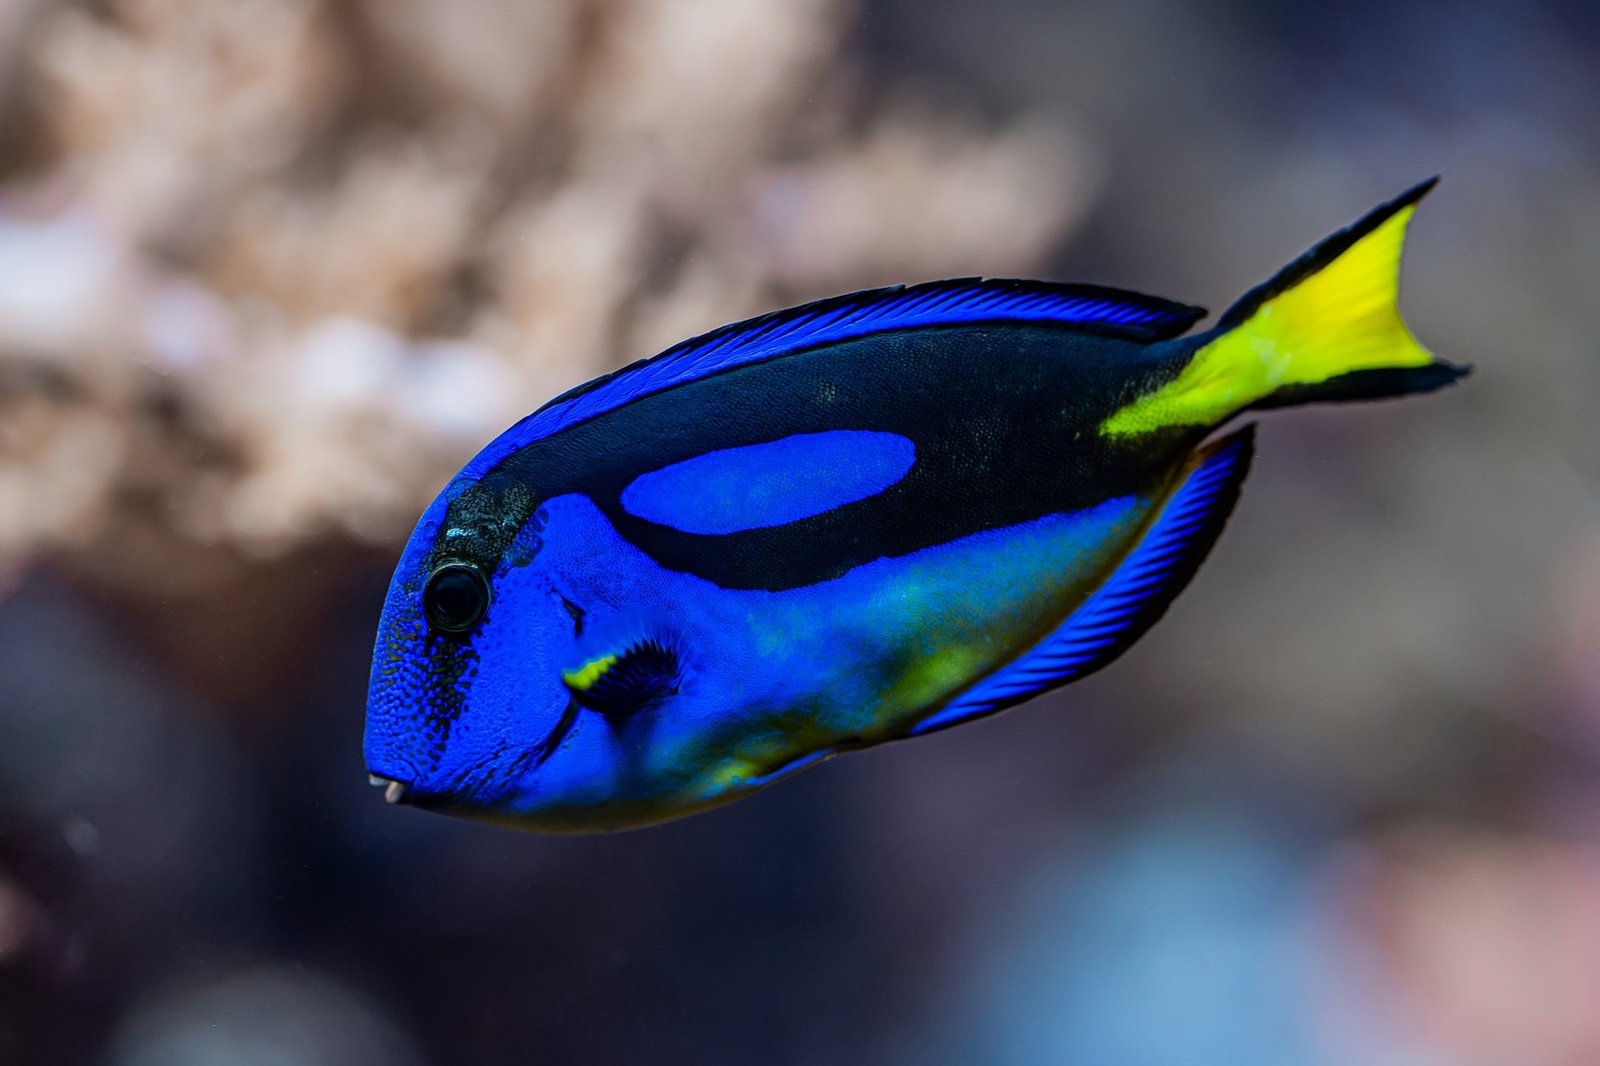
[{"x": 1326, "y": 328}]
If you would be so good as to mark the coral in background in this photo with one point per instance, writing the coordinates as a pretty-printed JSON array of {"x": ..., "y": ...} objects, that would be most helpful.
[{"x": 286, "y": 264}]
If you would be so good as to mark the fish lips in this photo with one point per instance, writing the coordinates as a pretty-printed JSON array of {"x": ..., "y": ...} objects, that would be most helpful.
[
  {"x": 400, "y": 792},
  {"x": 394, "y": 790}
]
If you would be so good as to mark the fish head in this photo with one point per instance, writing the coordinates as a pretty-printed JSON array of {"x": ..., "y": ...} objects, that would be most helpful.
[
  {"x": 522, "y": 678},
  {"x": 466, "y": 708}
]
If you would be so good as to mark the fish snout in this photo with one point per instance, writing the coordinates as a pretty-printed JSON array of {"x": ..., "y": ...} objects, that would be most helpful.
[{"x": 393, "y": 791}]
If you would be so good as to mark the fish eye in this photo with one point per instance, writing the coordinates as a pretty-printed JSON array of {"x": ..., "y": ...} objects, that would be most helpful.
[{"x": 455, "y": 598}]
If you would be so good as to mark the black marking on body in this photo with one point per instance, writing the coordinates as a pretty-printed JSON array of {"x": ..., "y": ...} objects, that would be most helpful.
[
  {"x": 453, "y": 666},
  {"x": 1004, "y": 418},
  {"x": 552, "y": 740}
]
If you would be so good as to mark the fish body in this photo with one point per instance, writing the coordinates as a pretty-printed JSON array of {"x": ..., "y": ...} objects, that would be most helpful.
[{"x": 845, "y": 523}]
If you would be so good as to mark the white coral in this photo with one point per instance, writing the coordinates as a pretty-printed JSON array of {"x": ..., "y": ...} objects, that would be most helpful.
[{"x": 290, "y": 269}]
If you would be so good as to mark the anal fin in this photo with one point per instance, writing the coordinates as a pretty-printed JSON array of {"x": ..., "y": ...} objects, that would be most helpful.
[{"x": 1131, "y": 600}]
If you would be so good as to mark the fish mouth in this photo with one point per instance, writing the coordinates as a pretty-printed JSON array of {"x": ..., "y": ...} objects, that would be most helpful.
[{"x": 393, "y": 791}]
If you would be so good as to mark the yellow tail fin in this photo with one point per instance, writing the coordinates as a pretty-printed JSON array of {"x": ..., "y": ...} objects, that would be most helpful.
[{"x": 1327, "y": 327}]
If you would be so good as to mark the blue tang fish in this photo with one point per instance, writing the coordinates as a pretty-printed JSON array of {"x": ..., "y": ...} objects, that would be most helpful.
[{"x": 861, "y": 519}]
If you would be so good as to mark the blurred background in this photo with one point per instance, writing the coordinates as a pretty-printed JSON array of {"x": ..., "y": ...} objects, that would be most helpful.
[{"x": 271, "y": 270}]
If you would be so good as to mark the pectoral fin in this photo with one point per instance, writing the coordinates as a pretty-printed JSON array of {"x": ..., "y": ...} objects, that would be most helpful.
[
  {"x": 619, "y": 683},
  {"x": 1131, "y": 600}
]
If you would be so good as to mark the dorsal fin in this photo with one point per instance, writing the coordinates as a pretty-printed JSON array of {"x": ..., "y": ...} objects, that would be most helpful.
[
  {"x": 961, "y": 301},
  {"x": 1130, "y": 601}
]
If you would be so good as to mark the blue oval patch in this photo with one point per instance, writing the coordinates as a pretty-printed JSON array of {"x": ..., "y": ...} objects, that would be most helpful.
[{"x": 772, "y": 484}]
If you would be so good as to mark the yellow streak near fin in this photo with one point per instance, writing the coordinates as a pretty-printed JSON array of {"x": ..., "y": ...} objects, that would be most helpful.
[
  {"x": 1339, "y": 320},
  {"x": 587, "y": 674}
]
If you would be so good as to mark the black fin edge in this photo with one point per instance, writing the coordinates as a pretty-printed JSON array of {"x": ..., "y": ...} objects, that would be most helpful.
[
  {"x": 1321, "y": 254},
  {"x": 1376, "y": 384}
]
